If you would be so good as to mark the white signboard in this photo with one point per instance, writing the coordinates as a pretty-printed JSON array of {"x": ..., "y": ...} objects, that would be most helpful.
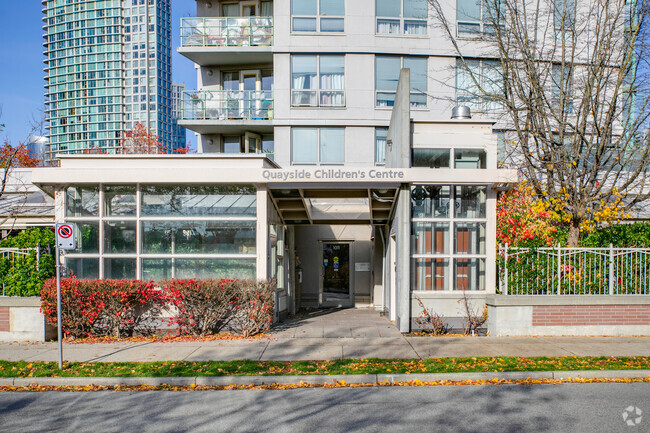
[
  {"x": 65, "y": 236},
  {"x": 362, "y": 267}
]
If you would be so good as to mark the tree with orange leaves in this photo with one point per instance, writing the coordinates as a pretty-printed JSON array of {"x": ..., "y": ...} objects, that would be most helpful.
[
  {"x": 141, "y": 140},
  {"x": 16, "y": 156}
]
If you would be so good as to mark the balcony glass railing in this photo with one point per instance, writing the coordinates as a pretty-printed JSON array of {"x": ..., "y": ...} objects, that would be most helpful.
[
  {"x": 228, "y": 105},
  {"x": 227, "y": 32}
]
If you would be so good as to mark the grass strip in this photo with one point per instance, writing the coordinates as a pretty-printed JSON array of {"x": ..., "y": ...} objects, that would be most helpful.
[{"x": 343, "y": 366}]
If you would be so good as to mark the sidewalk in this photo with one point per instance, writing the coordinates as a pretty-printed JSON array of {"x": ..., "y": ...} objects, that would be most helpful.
[{"x": 332, "y": 335}]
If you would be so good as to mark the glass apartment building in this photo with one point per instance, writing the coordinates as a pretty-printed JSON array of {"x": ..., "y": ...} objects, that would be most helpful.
[{"x": 108, "y": 66}]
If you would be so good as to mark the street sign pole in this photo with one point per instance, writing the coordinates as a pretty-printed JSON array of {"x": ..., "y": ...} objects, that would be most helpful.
[
  {"x": 58, "y": 306},
  {"x": 64, "y": 241}
]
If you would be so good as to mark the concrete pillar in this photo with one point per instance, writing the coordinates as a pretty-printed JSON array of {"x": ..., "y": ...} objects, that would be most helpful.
[{"x": 262, "y": 232}]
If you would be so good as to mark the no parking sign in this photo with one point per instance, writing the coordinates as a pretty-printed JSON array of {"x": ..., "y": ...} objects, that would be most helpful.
[{"x": 65, "y": 236}]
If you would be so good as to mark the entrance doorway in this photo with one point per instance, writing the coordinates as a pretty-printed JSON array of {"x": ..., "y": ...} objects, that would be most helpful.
[{"x": 335, "y": 284}]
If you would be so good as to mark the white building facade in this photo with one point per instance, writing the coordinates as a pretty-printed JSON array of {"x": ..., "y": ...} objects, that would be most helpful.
[{"x": 325, "y": 164}]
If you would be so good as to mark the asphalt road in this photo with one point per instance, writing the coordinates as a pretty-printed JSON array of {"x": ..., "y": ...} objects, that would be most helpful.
[{"x": 505, "y": 408}]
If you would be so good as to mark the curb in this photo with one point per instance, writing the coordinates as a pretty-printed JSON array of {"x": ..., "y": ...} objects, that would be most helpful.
[{"x": 321, "y": 379}]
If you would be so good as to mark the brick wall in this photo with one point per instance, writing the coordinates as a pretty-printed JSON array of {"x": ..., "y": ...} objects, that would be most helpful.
[
  {"x": 582, "y": 315},
  {"x": 4, "y": 319}
]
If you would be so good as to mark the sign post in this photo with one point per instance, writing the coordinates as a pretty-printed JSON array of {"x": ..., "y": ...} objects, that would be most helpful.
[{"x": 64, "y": 241}]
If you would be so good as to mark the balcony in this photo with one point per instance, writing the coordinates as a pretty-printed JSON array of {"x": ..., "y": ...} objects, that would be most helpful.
[
  {"x": 227, "y": 111},
  {"x": 227, "y": 40}
]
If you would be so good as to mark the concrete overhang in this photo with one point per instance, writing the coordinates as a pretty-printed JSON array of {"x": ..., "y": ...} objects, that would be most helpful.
[
  {"x": 248, "y": 168},
  {"x": 222, "y": 56},
  {"x": 233, "y": 127}
]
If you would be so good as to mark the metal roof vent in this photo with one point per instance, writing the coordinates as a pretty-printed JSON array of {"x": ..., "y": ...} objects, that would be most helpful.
[{"x": 461, "y": 112}]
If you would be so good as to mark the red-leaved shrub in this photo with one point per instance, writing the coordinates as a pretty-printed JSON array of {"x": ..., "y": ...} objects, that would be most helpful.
[
  {"x": 202, "y": 306},
  {"x": 103, "y": 307}
]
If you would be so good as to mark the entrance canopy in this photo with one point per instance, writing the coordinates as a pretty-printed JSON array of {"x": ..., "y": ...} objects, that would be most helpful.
[{"x": 334, "y": 205}]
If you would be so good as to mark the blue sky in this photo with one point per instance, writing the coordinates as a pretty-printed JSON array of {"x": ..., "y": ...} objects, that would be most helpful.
[{"x": 21, "y": 63}]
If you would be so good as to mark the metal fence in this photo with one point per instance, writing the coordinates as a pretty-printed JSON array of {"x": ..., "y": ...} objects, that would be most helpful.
[
  {"x": 227, "y": 32},
  {"x": 573, "y": 271},
  {"x": 228, "y": 104}
]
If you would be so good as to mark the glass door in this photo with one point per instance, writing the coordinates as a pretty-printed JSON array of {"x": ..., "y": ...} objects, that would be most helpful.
[
  {"x": 250, "y": 83},
  {"x": 335, "y": 275}
]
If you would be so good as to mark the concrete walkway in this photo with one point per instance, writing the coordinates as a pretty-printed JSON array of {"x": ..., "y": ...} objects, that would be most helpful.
[{"x": 333, "y": 335}]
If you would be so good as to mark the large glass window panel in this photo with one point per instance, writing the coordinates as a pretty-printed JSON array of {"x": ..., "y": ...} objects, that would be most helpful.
[
  {"x": 387, "y": 26},
  {"x": 430, "y": 238},
  {"x": 119, "y": 200},
  {"x": 87, "y": 237},
  {"x": 332, "y": 77},
  {"x": 82, "y": 201},
  {"x": 469, "y": 158},
  {"x": 331, "y": 24},
  {"x": 232, "y": 144},
  {"x": 86, "y": 268},
  {"x": 332, "y": 145},
  {"x": 215, "y": 268},
  {"x": 198, "y": 237},
  {"x": 388, "y": 8},
  {"x": 418, "y": 67},
  {"x": 469, "y": 238},
  {"x": 303, "y": 7},
  {"x": 432, "y": 158},
  {"x": 467, "y": 90},
  {"x": 430, "y": 201},
  {"x": 380, "y": 145},
  {"x": 304, "y": 144},
  {"x": 470, "y": 201},
  {"x": 215, "y": 200},
  {"x": 119, "y": 237},
  {"x": 120, "y": 269},
  {"x": 429, "y": 274},
  {"x": 415, "y": 9},
  {"x": 304, "y": 78},
  {"x": 469, "y": 274},
  {"x": 468, "y": 10},
  {"x": 301, "y": 24},
  {"x": 156, "y": 269},
  {"x": 332, "y": 7},
  {"x": 387, "y": 72}
]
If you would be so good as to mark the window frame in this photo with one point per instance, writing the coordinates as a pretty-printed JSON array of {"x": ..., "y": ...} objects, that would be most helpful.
[
  {"x": 478, "y": 102},
  {"x": 482, "y": 23},
  {"x": 318, "y": 89},
  {"x": 318, "y": 18},
  {"x": 414, "y": 106},
  {"x": 449, "y": 257},
  {"x": 402, "y": 22},
  {"x": 319, "y": 161}
]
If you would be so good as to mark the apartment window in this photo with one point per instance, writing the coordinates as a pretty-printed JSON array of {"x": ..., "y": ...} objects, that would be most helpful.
[
  {"x": 479, "y": 84},
  {"x": 317, "y": 81},
  {"x": 317, "y": 146},
  {"x": 448, "y": 248},
  {"x": 475, "y": 17},
  {"x": 564, "y": 14},
  {"x": 387, "y": 70},
  {"x": 380, "y": 145},
  {"x": 562, "y": 88},
  {"x": 317, "y": 15},
  {"x": 408, "y": 17}
]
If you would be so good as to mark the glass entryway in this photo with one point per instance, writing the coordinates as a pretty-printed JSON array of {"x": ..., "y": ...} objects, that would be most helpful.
[{"x": 335, "y": 288}]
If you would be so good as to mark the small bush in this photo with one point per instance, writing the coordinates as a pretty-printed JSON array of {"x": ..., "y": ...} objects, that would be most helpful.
[
  {"x": 103, "y": 307},
  {"x": 253, "y": 304},
  {"x": 202, "y": 306},
  {"x": 430, "y": 321}
]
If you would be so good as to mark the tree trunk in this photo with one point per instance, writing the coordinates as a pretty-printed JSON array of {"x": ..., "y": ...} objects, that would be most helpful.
[{"x": 574, "y": 233}]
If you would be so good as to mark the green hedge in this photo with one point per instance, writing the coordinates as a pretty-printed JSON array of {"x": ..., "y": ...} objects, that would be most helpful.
[
  {"x": 635, "y": 235},
  {"x": 25, "y": 275}
]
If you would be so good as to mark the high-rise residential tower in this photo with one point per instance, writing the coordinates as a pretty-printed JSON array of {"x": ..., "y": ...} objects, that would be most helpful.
[{"x": 108, "y": 66}]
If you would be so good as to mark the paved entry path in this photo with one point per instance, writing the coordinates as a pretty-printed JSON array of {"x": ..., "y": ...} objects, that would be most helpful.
[{"x": 333, "y": 334}]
